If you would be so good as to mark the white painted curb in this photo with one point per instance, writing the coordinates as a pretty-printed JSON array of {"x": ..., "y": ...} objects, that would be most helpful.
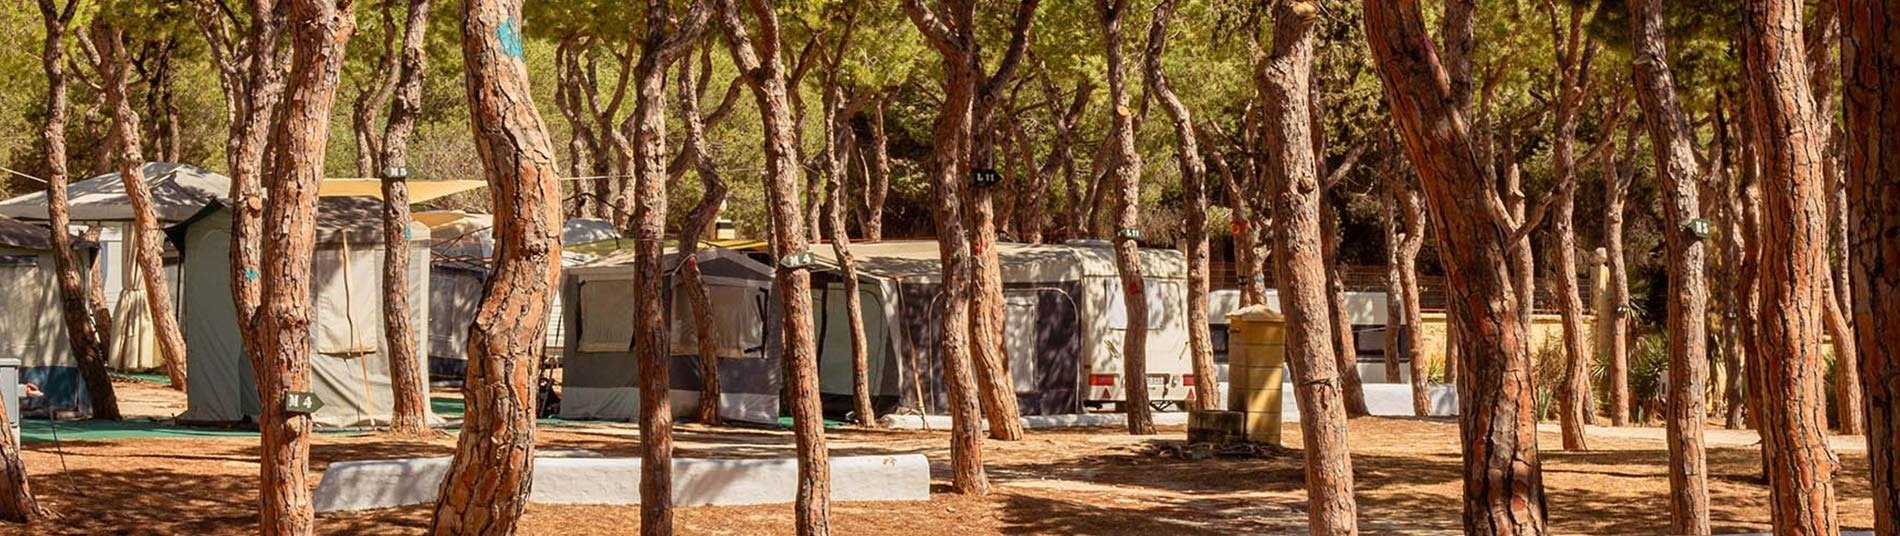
[{"x": 364, "y": 485}]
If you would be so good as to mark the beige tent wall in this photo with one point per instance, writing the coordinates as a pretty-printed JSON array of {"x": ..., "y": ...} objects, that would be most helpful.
[{"x": 1546, "y": 333}]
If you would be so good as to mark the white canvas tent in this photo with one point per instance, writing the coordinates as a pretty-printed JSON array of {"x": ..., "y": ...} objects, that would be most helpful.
[
  {"x": 463, "y": 246},
  {"x": 33, "y": 326},
  {"x": 179, "y": 191},
  {"x": 1063, "y": 327},
  {"x": 600, "y": 377},
  {"x": 349, "y": 366}
]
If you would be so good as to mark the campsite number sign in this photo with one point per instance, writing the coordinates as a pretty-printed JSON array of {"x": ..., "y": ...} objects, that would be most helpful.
[{"x": 302, "y": 402}]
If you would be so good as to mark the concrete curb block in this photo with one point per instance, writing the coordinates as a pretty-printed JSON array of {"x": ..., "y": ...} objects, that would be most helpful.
[
  {"x": 365, "y": 485},
  {"x": 1072, "y": 420}
]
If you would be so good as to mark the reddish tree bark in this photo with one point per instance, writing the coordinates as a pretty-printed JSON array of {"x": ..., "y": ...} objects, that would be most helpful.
[
  {"x": 1504, "y": 492},
  {"x": 712, "y": 198},
  {"x": 838, "y": 110},
  {"x": 665, "y": 41},
  {"x": 83, "y": 330},
  {"x": 1871, "y": 60},
  {"x": 1618, "y": 174},
  {"x": 148, "y": 253},
  {"x": 488, "y": 480},
  {"x": 1794, "y": 265},
  {"x": 759, "y": 58},
  {"x": 877, "y": 168},
  {"x": 1575, "y": 54},
  {"x": 1407, "y": 243},
  {"x": 994, "y": 387},
  {"x": 1127, "y": 174},
  {"x": 375, "y": 95},
  {"x": 251, "y": 68},
  {"x": 1284, "y": 80},
  {"x": 1194, "y": 185},
  {"x": 409, "y": 388},
  {"x": 319, "y": 30},
  {"x": 1671, "y": 139}
]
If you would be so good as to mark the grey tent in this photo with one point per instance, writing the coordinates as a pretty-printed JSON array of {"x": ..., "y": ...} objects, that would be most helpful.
[
  {"x": 463, "y": 246},
  {"x": 1063, "y": 326},
  {"x": 349, "y": 366},
  {"x": 600, "y": 377},
  {"x": 33, "y": 327},
  {"x": 179, "y": 191}
]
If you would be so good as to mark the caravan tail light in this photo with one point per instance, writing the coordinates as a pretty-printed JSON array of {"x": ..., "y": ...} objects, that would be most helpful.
[
  {"x": 1101, "y": 380},
  {"x": 1187, "y": 380}
]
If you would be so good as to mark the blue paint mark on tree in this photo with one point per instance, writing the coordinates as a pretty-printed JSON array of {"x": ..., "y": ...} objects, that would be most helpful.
[
  {"x": 250, "y": 274},
  {"x": 509, "y": 34}
]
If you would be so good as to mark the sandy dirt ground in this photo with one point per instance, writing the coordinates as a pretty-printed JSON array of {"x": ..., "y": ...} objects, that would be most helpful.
[{"x": 1097, "y": 481}]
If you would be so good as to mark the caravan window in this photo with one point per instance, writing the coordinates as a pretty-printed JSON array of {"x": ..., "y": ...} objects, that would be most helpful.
[
  {"x": 738, "y": 315},
  {"x": 1163, "y": 296},
  {"x": 606, "y": 315}
]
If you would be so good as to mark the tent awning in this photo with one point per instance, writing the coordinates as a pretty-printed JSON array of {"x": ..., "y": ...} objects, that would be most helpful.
[{"x": 419, "y": 191}]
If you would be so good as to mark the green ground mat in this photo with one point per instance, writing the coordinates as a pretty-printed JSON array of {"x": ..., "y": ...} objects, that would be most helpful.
[
  {"x": 147, "y": 377},
  {"x": 787, "y": 422},
  {"x": 34, "y": 430}
]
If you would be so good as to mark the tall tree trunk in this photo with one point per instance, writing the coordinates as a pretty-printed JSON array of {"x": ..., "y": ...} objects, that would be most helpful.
[
  {"x": 1575, "y": 55},
  {"x": 1617, "y": 179},
  {"x": 1243, "y": 234},
  {"x": 87, "y": 336},
  {"x": 1819, "y": 39},
  {"x": 1345, "y": 342},
  {"x": 996, "y": 388},
  {"x": 760, "y": 56},
  {"x": 837, "y": 149},
  {"x": 1504, "y": 492},
  {"x": 664, "y": 42},
  {"x": 1127, "y": 172},
  {"x": 488, "y": 480},
  {"x": 712, "y": 198},
  {"x": 148, "y": 240},
  {"x": 319, "y": 30},
  {"x": 1871, "y": 58},
  {"x": 838, "y": 110},
  {"x": 1394, "y": 295},
  {"x": 251, "y": 73},
  {"x": 877, "y": 176},
  {"x": 953, "y": 38},
  {"x": 1733, "y": 244},
  {"x": 1284, "y": 80},
  {"x": 408, "y": 386},
  {"x": 1794, "y": 263},
  {"x": 375, "y": 95},
  {"x": 1670, "y": 139},
  {"x": 1409, "y": 243},
  {"x": 1194, "y": 185}
]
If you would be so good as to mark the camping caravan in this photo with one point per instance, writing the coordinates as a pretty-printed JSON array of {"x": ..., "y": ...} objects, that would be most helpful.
[
  {"x": 33, "y": 329},
  {"x": 600, "y": 375},
  {"x": 1063, "y": 326},
  {"x": 462, "y": 248},
  {"x": 179, "y": 191},
  {"x": 349, "y": 366}
]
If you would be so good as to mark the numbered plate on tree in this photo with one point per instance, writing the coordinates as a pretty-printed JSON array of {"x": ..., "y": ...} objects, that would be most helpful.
[{"x": 302, "y": 402}]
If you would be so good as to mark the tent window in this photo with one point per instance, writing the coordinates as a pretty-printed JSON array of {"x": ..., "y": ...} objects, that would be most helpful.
[
  {"x": 606, "y": 316},
  {"x": 1156, "y": 291},
  {"x": 738, "y": 322},
  {"x": 1019, "y": 338}
]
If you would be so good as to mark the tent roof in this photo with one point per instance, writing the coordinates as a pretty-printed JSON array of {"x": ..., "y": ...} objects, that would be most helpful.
[
  {"x": 1020, "y": 262},
  {"x": 358, "y": 219},
  {"x": 179, "y": 191},
  {"x": 713, "y": 262},
  {"x": 419, "y": 191},
  {"x": 18, "y": 234}
]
